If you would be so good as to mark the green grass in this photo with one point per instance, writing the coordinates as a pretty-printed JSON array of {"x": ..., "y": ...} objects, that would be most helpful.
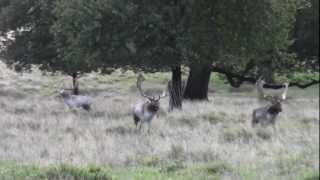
[
  {"x": 164, "y": 170},
  {"x": 288, "y": 167}
]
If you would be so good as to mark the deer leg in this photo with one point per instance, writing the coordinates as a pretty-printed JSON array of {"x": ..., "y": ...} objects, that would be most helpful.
[
  {"x": 274, "y": 127},
  {"x": 149, "y": 127},
  {"x": 140, "y": 126}
]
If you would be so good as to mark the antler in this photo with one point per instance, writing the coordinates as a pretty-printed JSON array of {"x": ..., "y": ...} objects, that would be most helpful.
[
  {"x": 139, "y": 81},
  {"x": 284, "y": 93},
  {"x": 163, "y": 95},
  {"x": 260, "y": 82},
  {"x": 262, "y": 95}
]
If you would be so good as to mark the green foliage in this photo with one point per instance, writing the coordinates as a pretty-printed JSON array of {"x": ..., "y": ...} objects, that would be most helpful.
[
  {"x": 70, "y": 172},
  {"x": 84, "y": 36},
  {"x": 237, "y": 32},
  {"x": 298, "y": 76},
  {"x": 30, "y": 22},
  {"x": 286, "y": 166},
  {"x": 216, "y": 78},
  {"x": 306, "y": 32},
  {"x": 304, "y": 76},
  {"x": 90, "y": 34},
  {"x": 10, "y": 170}
]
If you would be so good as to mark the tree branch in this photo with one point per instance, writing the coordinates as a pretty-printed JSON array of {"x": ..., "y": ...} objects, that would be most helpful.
[{"x": 236, "y": 79}]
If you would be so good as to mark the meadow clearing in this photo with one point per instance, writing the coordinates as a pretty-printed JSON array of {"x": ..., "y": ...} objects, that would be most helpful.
[{"x": 40, "y": 138}]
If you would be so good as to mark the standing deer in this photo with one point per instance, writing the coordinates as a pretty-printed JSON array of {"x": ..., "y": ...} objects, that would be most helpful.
[
  {"x": 267, "y": 115},
  {"x": 76, "y": 101},
  {"x": 144, "y": 112}
]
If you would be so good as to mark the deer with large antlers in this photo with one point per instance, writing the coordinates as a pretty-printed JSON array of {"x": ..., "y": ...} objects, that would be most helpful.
[
  {"x": 267, "y": 115},
  {"x": 144, "y": 112}
]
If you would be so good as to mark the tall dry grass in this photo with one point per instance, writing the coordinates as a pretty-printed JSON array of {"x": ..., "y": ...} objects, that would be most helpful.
[{"x": 36, "y": 127}]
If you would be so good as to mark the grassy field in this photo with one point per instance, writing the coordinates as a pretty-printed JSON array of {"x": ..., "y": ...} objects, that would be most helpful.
[{"x": 40, "y": 138}]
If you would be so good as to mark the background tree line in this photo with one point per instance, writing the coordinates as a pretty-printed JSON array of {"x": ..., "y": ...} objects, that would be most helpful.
[{"x": 241, "y": 39}]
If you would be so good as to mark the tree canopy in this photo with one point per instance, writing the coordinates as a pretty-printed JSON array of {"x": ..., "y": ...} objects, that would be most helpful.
[{"x": 242, "y": 39}]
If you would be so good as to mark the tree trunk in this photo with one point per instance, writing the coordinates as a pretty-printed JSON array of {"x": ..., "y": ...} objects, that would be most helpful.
[
  {"x": 174, "y": 88},
  {"x": 267, "y": 74},
  {"x": 198, "y": 83},
  {"x": 75, "y": 84}
]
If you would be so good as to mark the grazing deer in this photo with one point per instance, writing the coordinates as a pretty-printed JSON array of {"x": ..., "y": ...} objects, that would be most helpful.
[
  {"x": 76, "y": 101},
  {"x": 144, "y": 112},
  {"x": 267, "y": 115}
]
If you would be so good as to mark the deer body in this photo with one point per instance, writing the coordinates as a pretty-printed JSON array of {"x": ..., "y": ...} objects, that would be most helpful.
[
  {"x": 76, "y": 101},
  {"x": 266, "y": 115},
  {"x": 145, "y": 112}
]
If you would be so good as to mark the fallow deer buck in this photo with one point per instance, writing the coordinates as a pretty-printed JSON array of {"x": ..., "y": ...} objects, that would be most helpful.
[
  {"x": 267, "y": 115},
  {"x": 144, "y": 112}
]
